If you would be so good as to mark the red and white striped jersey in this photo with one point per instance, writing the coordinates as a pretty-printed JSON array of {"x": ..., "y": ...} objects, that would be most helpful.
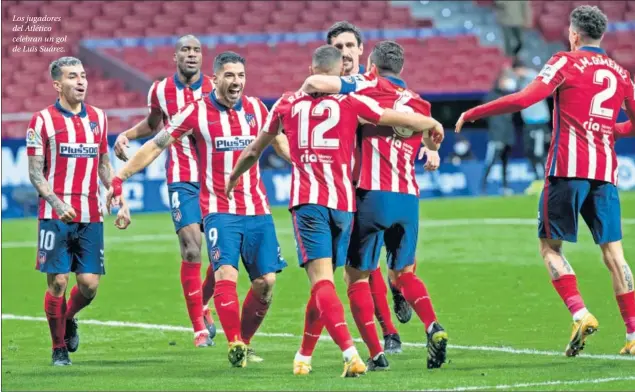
[
  {"x": 590, "y": 89},
  {"x": 221, "y": 134},
  {"x": 321, "y": 132},
  {"x": 171, "y": 96},
  {"x": 71, "y": 145},
  {"x": 387, "y": 154}
]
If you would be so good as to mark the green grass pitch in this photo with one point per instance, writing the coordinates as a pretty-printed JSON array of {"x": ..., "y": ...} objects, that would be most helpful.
[{"x": 478, "y": 257}]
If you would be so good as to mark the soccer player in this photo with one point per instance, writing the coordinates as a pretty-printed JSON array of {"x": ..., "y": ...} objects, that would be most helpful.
[
  {"x": 581, "y": 172},
  {"x": 321, "y": 131},
  {"x": 348, "y": 39},
  {"x": 222, "y": 124},
  {"x": 67, "y": 152},
  {"x": 165, "y": 99},
  {"x": 388, "y": 201}
]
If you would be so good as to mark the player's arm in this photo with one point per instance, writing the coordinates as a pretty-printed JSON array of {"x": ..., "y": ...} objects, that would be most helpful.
[
  {"x": 146, "y": 127},
  {"x": 337, "y": 85},
  {"x": 250, "y": 155},
  {"x": 281, "y": 145},
  {"x": 624, "y": 129},
  {"x": 180, "y": 125}
]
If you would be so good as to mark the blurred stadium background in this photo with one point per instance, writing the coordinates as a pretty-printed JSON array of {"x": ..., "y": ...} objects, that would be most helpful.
[{"x": 455, "y": 51}]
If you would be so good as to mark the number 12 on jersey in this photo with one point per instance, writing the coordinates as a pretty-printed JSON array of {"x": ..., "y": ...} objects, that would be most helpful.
[{"x": 313, "y": 137}]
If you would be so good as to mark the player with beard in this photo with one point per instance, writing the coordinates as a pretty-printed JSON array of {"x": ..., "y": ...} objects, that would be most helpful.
[{"x": 165, "y": 99}]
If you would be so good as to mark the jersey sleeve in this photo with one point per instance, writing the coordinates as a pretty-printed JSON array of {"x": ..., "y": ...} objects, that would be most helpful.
[
  {"x": 153, "y": 99},
  {"x": 185, "y": 122},
  {"x": 273, "y": 125},
  {"x": 629, "y": 99},
  {"x": 34, "y": 139},
  {"x": 624, "y": 129},
  {"x": 103, "y": 143},
  {"x": 553, "y": 73},
  {"x": 366, "y": 108},
  {"x": 420, "y": 106},
  {"x": 357, "y": 83}
]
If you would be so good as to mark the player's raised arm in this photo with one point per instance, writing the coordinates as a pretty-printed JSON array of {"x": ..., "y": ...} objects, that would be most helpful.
[
  {"x": 338, "y": 84},
  {"x": 144, "y": 128},
  {"x": 180, "y": 125},
  {"x": 250, "y": 155}
]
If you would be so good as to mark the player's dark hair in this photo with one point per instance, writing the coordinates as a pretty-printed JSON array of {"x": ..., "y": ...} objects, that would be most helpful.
[
  {"x": 589, "y": 21},
  {"x": 225, "y": 58},
  {"x": 343, "y": 27},
  {"x": 55, "y": 68},
  {"x": 388, "y": 56},
  {"x": 182, "y": 39},
  {"x": 326, "y": 57}
]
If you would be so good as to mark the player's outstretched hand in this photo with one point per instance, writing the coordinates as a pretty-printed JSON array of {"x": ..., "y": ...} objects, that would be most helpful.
[
  {"x": 121, "y": 144},
  {"x": 66, "y": 213},
  {"x": 459, "y": 123},
  {"x": 123, "y": 217},
  {"x": 229, "y": 189},
  {"x": 433, "y": 161}
]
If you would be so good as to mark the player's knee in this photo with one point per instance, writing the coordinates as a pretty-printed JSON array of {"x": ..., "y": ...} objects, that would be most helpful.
[
  {"x": 57, "y": 284},
  {"x": 191, "y": 253},
  {"x": 226, "y": 272},
  {"x": 190, "y": 241},
  {"x": 88, "y": 285},
  {"x": 613, "y": 257},
  {"x": 263, "y": 286}
]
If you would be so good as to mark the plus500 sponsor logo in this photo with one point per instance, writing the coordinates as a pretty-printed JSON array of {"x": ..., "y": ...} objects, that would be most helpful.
[
  {"x": 76, "y": 150},
  {"x": 232, "y": 143}
]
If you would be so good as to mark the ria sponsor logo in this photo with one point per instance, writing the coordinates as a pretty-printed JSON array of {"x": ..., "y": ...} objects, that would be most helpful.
[
  {"x": 232, "y": 143},
  {"x": 79, "y": 150},
  {"x": 596, "y": 127}
]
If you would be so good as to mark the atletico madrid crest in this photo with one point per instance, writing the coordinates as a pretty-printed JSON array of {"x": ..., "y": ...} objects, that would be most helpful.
[
  {"x": 176, "y": 214},
  {"x": 215, "y": 252},
  {"x": 41, "y": 258},
  {"x": 94, "y": 127},
  {"x": 251, "y": 119}
]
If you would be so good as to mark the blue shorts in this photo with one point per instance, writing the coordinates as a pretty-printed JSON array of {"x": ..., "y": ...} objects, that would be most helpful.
[
  {"x": 388, "y": 218},
  {"x": 251, "y": 237},
  {"x": 321, "y": 232},
  {"x": 70, "y": 247},
  {"x": 184, "y": 201},
  {"x": 563, "y": 199}
]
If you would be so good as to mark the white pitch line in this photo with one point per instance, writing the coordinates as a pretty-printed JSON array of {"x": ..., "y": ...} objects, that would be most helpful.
[
  {"x": 536, "y": 384},
  {"x": 286, "y": 231},
  {"x": 506, "y": 350}
]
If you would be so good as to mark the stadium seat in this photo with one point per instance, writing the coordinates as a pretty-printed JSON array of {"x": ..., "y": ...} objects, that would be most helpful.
[
  {"x": 116, "y": 9},
  {"x": 11, "y": 105}
]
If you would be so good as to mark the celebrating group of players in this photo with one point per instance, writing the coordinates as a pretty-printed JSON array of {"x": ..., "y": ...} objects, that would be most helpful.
[{"x": 352, "y": 139}]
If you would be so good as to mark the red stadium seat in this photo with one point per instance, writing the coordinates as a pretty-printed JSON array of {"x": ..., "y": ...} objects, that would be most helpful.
[
  {"x": 319, "y": 6},
  {"x": 133, "y": 22},
  {"x": 106, "y": 23},
  {"x": 262, "y": 7},
  {"x": 254, "y": 19},
  {"x": 174, "y": 8},
  {"x": 343, "y": 14},
  {"x": 291, "y": 6},
  {"x": 169, "y": 24},
  {"x": 146, "y": 8},
  {"x": 205, "y": 7},
  {"x": 11, "y": 105},
  {"x": 53, "y": 10},
  {"x": 85, "y": 10},
  {"x": 36, "y": 103},
  {"x": 117, "y": 9},
  {"x": 233, "y": 7}
]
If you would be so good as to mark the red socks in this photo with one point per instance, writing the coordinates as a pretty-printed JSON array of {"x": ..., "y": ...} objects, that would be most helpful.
[
  {"x": 567, "y": 288},
  {"x": 253, "y": 313},
  {"x": 415, "y": 292},
  {"x": 626, "y": 303},
  {"x": 191, "y": 283},
  {"x": 379, "y": 290},
  {"x": 363, "y": 311},
  {"x": 54, "y": 308},
  {"x": 228, "y": 309},
  {"x": 313, "y": 326},
  {"x": 76, "y": 302},
  {"x": 332, "y": 313},
  {"x": 208, "y": 285}
]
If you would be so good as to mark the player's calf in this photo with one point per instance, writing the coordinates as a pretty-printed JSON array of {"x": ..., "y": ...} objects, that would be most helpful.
[{"x": 255, "y": 308}]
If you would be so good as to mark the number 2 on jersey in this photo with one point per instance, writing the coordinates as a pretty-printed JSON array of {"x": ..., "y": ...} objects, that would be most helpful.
[
  {"x": 303, "y": 108},
  {"x": 596, "y": 103}
]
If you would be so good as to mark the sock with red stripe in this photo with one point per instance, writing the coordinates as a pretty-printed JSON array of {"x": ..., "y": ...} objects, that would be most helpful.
[
  {"x": 626, "y": 302},
  {"x": 415, "y": 292},
  {"x": 54, "y": 309},
  {"x": 228, "y": 309},
  {"x": 254, "y": 311},
  {"x": 191, "y": 283},
  {"x": 313, "y": 327},
  {"x": 363, "y": 311},
  {"x": 76, "y": 302},
  {"x": 208, "y": 284},
  {"x": 379, "y": 291},
  {"x": 567, "y": 288},
  {"x": 332, "y": 313}
]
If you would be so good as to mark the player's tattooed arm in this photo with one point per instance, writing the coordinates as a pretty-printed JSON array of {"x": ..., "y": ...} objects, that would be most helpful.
[
  {"x": 105, "y": 171},
  {"x": 146, "y": 154},
  {"x": 163, "y": 139},
  {"x": 36, "y": 175}
]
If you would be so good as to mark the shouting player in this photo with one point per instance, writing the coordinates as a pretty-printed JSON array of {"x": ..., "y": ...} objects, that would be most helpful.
[
  {"x": 348, "y": 39},
  {"x": 166, "y": 98},
  {"x": 581, "y": 172},
  {"x": 223, "y": 123},
  {"x": 387, "y": 200},
  {"x": 321, "y": 131},
  {"x": 67, "y": 152}
]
